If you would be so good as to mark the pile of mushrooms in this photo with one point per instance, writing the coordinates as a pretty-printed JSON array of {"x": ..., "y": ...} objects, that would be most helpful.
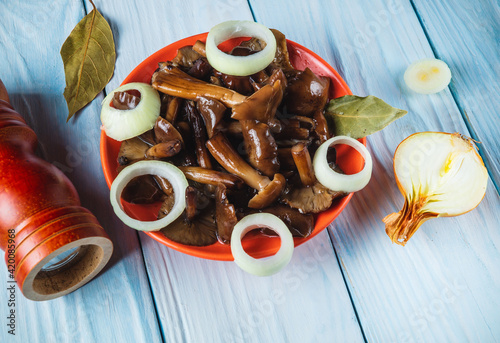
[{"x": 244, "y": 144}]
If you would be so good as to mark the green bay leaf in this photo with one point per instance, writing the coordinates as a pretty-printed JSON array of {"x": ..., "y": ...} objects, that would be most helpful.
[
  {"x": 358, "y": 117},
  {"x": 89, "y": 57}
]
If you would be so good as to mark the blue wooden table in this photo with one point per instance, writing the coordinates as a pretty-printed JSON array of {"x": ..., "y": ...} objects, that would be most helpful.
[{"x": 349, "y": 283}]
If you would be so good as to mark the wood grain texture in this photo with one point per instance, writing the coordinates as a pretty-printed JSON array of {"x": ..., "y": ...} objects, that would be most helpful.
[
  {"x": 442, "y": 285},
  {"x": 474, "y": 59},
  {"x": 208, "y": 301},
  {"x": 116, "y": 305}
]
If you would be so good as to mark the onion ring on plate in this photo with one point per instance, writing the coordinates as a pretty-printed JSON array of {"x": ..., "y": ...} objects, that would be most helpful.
[
  {"x": 164, "y": 169},
  {"x": 239, "y": 65},
  {"x": 265, "y": 266},
  {"x": 342, "y": 182},
  {"x": 125, "y": 124}
]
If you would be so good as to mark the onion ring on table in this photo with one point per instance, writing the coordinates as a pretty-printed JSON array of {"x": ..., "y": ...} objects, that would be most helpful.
[
  {"x": 342, "y": 182},
  {"x": 265, "y": 266},
  {"x": 163, "y": 169},
  {"x": 239, "y": 65}
]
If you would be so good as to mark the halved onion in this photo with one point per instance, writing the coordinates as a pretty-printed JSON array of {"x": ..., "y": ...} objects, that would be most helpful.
[
  {"x": 342, "y": 182},
  {"x": 441, "y": 175},
  {"x": 125, "y": 124},
  {"x": 428, "y": 76},
  {"x": 163, "y": 169},
  {"x": 265, "y": 266},
  {"x": 239, "y": 65}
]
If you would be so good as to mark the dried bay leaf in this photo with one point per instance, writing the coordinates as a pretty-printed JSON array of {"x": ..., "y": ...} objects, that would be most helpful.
[
  {"x": 89, "y": 57},
  {"x": 359, "y": 117}
]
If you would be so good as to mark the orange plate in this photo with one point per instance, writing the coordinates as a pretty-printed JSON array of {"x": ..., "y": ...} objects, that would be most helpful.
[{"x": 255, "y": 245}]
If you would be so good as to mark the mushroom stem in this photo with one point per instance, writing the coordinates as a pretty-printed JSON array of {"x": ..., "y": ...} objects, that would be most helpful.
[
  {"x": 173, "y": 81},
  {"x": 225, "y": 215},
  {"x": 302, "y": 160},
  {"x": 173, "y": 109},
  {"x": 212, "y": 177},
  {"x": 190, "y": 203},
  {"x": 199, "y": 47},
  {"x": 200, "y": 136},
  {"x": 224, "y": 153},
  {"x": 321, "y": 128}
]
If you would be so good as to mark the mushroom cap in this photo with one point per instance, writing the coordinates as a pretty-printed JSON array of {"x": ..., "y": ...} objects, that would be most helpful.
[
  {"x": 306, "y": 93},
  {"x": 186, "y": 57},
  {"x": 260, "y": 146},
  {"x": 132, "y": 150},
  {"x": 212, "y": 111},
  {"x": 261, "y": 105},
  {"x": 299, "y": 224},
  {"x": 268, "y": 194},
  {"x": 142, "y": 190},
  {"x": 164, "y": 131},
  {"x": 126, "y": 100},
  {"x": 313, "y": 199},
  {"x": 282, "y": 59},
  {"x": 199, "y": 232}
]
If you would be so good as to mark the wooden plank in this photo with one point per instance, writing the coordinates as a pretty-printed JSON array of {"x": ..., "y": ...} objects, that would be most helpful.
[
  {"x": 117, "y": 305},
  {"x": 474, "y": 61},
  {"x": 209, "y": 301},
  {"x": 443, "y": 285}
]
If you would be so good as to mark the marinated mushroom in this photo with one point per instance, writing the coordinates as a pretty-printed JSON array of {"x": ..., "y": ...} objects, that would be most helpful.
[
  {"x": 132, "y": 150},
  {"x": 200, "y": 136},
  {"x": 228, "y": 158},
  {"x": 186, "y": 57},
  {"x": 225, "y": 215},
  {"x": 211, "y": 177},
  {"x": 299, "y": 224},
  {"x": 164, "y": 149},
  {"x": 212, "y": 111},
  {"x": 199, "y": 232},
  {"x": 197, "y": 227},
  {"x": 306, "y": 93},
  {"x": 126, "y": 100},
  {"x": 312, "y": 197},
  {"x": 142, "y": 190},
  {"x": 260, "y": 146},
  {"x": 164, "y": 131}
]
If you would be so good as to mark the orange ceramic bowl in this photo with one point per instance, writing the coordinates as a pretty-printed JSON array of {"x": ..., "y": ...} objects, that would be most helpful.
[{"x": 256, "y": 245}]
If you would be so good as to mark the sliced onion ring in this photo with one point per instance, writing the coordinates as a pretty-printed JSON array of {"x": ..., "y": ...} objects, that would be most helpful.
[
  {"x": 342, "y": 182},
  {"x": 124, "y": 124},
  {"x": 163, "y": 169},
  {"x": 239, "y": 65},
  {"x": 266, "y": 266}
]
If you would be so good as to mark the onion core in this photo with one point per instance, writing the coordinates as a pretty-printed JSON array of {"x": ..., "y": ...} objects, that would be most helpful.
[
  {"x": 164, "y": 169},
  {"x": 265, "y": 266},
  {"x": 240, "y": 65}
]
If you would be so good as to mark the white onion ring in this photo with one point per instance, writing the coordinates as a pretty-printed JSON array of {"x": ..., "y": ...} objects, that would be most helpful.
[
  {"x": 125, "y": 124},
  {"x": 342, "y": 182},
  {"x": 266, "y": 266},
  {"x": 239, "y": 65},
  {"x": 163, "y": 169}
]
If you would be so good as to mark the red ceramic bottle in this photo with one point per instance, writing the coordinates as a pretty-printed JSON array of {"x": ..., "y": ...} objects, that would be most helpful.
[{"x": 52, "y": 245}]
